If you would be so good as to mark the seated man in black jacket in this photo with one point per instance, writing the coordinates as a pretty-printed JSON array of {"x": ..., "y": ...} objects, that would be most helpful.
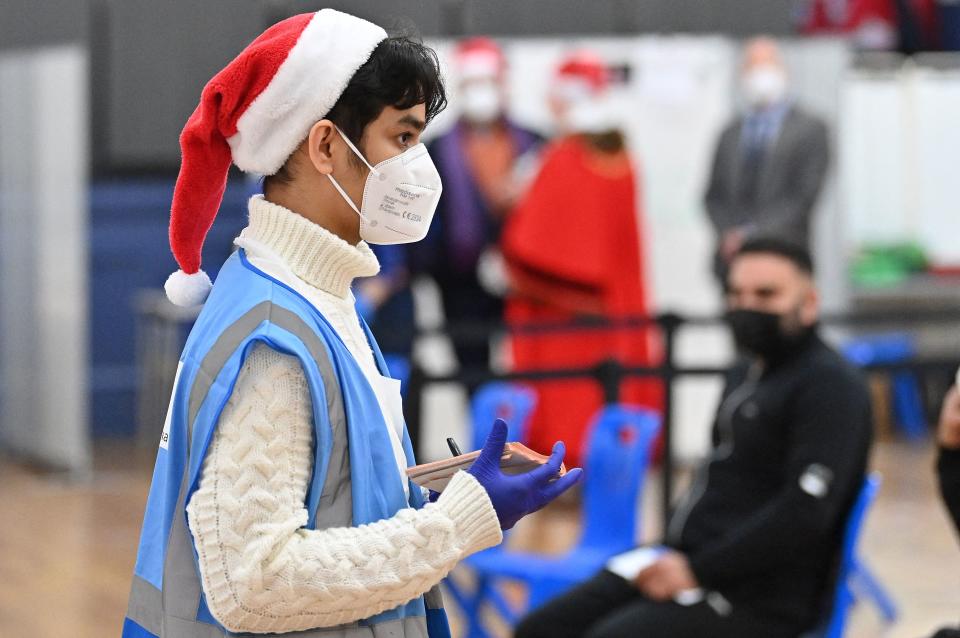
[
  {"x": 948, "y": 466},
  {"x": 752, "y": 549}
]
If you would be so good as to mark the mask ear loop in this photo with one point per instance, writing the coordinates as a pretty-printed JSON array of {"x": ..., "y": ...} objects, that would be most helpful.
[
  {"x": 344, "y": 195},
  {"x": 363, "y": 159}
]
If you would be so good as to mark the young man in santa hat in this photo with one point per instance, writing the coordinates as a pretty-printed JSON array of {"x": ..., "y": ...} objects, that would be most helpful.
[
  {"x": 279, "y": 501},
  {"x": 574, "y": 249}
]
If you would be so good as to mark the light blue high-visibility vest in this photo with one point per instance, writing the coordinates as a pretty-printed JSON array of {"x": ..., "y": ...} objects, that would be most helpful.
[{"x": 355, "y": 475}]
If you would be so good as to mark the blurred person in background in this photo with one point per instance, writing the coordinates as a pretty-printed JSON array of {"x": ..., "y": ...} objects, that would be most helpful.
[
  {"x": 906, "y": 25},
  {"x": 770, "y": 162},
  {"x": 872, "y": 24},
  {"x": 279, "y": 501},
  {"x": 948, "y": 16},
  {"x": 948, "y": 467},
  {"x": 477, "y": 160},
  {"x": 753, "y": 547},
  {"x": 574, "y": 249}
]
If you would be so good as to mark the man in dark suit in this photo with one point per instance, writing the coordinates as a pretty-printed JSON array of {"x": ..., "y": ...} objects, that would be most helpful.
[{"x": 769, "y": 164}]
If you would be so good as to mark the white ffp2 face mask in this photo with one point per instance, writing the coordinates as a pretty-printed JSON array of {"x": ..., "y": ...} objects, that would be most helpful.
[
  {"x": 481, "y": 102},
  {"x": 399, "y": 198},
  {"x": 764, "y": 85}
]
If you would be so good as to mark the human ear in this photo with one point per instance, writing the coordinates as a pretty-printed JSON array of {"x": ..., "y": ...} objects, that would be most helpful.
[
  {"x": 811, "y": 306},
  {"x": 319, "y": 146}
]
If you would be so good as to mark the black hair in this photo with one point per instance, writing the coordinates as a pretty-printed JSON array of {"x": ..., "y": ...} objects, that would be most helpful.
[
  {"x": 402, "y": 72},
  {"x": 789, "y": 250},
  {"x": 607, "y": 142}
]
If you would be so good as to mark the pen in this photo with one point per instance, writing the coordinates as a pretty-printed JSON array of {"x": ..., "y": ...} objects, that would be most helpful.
[{"x": 454, "y": 448}]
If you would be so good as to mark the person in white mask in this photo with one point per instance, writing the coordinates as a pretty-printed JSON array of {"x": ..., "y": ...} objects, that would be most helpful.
[
  {"x": 280, "y": 501},
  {"x": 477, "y": 159},
  {"x": 770, "y": 162}
]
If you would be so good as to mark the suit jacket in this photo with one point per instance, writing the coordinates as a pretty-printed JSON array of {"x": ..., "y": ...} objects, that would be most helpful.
[{"x": 790, "y": 178}]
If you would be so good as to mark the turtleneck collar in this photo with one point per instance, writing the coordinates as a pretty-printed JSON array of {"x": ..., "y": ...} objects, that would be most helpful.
[{"x": 312, "y": 252}]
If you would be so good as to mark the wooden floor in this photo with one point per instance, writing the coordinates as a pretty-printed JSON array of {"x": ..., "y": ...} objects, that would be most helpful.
[{"x": 67, "y": 548}]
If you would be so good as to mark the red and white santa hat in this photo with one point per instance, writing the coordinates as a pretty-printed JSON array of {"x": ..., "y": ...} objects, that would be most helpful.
[
  {"x": 479, "y": 58},
  {"x": 254, "y": 113},
  {"x": 583, "y": 82},
  {"x": 581, "y": 75}
]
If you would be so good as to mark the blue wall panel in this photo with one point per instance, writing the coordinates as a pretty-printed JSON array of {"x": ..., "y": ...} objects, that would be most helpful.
[{"x": 130, "y": 252}]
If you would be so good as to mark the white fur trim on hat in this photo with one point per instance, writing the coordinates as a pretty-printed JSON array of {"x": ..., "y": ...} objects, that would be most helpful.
[
  {"x": 304, "y": 89},
  {"x": 188, "y": 290},
  {"x": 479, "y": 65}
]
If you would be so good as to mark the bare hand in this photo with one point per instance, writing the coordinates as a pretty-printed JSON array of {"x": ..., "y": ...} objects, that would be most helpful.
[
  {"x": 948, "y": 430},
  {"x": 667, "y": 577},
  {"x": 504, "y": 197}
]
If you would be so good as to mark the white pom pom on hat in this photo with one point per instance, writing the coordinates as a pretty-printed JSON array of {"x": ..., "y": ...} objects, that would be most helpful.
[
  {"x": 254, "y": 113},
  {"x": 188, "y": 290}
]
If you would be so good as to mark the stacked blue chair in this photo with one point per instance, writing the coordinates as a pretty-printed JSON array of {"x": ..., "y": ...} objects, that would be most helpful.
[
  {"x": 511, "y": 402},
  {"x": 616, "y": 460},
  {"x": 855, "y": 582},
  {"x": 890, "y": 349},
  {"x": 514, "y": 403}
]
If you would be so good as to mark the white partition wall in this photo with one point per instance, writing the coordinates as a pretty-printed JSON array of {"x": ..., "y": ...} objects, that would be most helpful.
[
  {"x": 937, "y": 181},
  {"x": 900, "y": 153},
  {"x": 43, "y": 256}
]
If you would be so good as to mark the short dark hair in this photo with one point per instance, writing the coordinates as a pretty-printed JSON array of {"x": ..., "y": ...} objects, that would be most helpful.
[
  {"x": 402, "y": 72},
  {"x": 789, "y": 250}
]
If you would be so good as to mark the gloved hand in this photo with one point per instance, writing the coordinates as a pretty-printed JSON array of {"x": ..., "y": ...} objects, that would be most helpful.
[{"x": 515, "y": 496}]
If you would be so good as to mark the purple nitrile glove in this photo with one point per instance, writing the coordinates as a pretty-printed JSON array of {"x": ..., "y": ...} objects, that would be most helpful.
[{"x": 515, "y": 496}]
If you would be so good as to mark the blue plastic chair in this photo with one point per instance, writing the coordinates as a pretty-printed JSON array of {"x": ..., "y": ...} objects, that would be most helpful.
[
  {"x": 893, "y": 348},
  {"x": 511, "y": 402},
  {"x": 855, "y": 582},
  {"x": 618, "y": 453}
]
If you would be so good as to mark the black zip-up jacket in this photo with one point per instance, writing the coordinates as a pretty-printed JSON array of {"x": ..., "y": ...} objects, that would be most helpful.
[{"x": 763, "y": 523}]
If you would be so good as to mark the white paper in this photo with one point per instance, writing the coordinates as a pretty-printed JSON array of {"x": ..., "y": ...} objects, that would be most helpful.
[
  {"x": 388, "y": 395},
  {"x": 629, "y": 564}
]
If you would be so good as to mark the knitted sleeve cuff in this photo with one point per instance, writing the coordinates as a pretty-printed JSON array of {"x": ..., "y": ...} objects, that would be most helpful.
[{"x": 466, "y": 503}]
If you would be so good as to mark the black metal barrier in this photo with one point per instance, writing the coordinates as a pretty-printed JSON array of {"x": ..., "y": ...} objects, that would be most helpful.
[{"x": 610, "y": 374}]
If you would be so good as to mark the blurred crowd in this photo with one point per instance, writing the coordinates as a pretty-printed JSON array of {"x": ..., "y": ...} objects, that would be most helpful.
[
  {"x": 907, "y": 25},
  {"x": 551, "y": 231},
  {"x": 534, "y": 231}
]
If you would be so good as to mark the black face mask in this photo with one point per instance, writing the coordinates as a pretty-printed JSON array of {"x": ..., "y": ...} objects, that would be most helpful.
[{"x": 762, "y": 333}]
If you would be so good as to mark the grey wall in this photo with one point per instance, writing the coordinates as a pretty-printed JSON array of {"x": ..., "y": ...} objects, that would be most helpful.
[
  {"x": 151, "y": 58},
  {"x": 158, "y": 56},
  {"x": 36, "y": 23},
  {"x": 551, "y": 17}
]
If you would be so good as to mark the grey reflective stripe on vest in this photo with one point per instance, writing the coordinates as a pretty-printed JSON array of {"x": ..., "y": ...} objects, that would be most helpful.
[
  {"x": 171, "y": 613},
  {"x": 145, "y": 605}
]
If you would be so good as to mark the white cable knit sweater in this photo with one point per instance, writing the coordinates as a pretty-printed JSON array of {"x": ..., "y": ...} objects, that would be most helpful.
[{"x": 262, "y": 572}]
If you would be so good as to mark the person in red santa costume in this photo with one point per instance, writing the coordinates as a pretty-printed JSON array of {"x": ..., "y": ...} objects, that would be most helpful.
[{"x": 574, "y": 249}]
